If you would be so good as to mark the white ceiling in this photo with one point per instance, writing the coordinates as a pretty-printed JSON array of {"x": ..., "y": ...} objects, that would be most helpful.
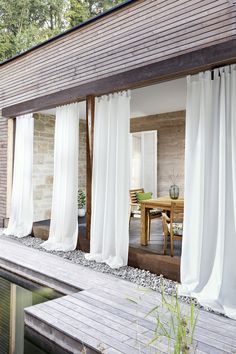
[
  {"x": 165, "y": 97},
  {"x": 168, "y": 96}
]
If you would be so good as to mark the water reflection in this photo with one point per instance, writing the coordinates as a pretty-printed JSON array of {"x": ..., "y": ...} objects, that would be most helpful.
[{"x": 13, "y": 300}]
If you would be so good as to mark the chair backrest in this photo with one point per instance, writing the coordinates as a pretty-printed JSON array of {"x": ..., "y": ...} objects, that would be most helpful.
[
  {"x": 133, "y": 195},
  {"x": 177, "y": 212}
]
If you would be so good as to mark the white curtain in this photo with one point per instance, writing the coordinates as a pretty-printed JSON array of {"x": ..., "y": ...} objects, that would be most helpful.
[
  {"x": 149, "y": 162},
  {"x": 21, "y": 213},
  {"x": 136, "y": 161},
  {"x": 110, "y": 185},
  {"x": 144, "y": 161},
  {"x": 209, "y": 242},
  {"x": 64, "y": 216}
]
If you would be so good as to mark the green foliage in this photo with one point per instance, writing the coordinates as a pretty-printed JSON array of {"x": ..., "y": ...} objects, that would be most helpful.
[
  {"x": 96, "y": 7},
  {"x": 79, "y": 11},
  {"x": 180, "y": 328},
  {"x": 175, "y": 323},
  {"x": 76, "y": 12},
  {"x": 25, "y": 23}
]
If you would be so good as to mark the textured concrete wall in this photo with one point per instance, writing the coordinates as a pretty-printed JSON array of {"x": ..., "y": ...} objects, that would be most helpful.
[
  {"x": 3, "y": 168},
  {"x": 171, "y": 146},
  {"x": 170, "y": 157},
  {"x": 44, "y": 128}
]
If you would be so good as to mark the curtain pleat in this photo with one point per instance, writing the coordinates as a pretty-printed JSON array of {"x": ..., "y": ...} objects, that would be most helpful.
[
  {"x": 208, "y": 256},
  {"x": 64, "y": 215},
  {"x": 143, "y": 161},
  {"x": 21, "y": 213},
  {"x": 110, "y": 199},
  {"x": 149, "y": 162}
]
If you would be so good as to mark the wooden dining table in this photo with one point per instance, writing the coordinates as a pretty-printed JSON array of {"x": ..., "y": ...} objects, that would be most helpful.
[{"x": 163, "y": 203}]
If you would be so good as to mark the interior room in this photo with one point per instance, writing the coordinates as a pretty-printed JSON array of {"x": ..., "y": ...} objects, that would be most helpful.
[
  {"x": 157, "y": 129},
  {"x": 157, "y": 139}
]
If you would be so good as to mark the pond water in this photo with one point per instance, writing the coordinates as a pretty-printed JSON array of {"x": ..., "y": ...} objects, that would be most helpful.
[{"x": 15, "y": 295}]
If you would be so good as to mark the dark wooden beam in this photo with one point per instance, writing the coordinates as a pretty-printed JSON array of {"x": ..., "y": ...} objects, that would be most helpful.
[
  {"x": 172, "y": 68},
  {"x": 90, "y": 111},
  {"x": 157, "y": 121}
]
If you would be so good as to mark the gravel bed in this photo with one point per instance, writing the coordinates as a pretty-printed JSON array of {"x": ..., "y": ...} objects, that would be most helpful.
[{"x": 138, "y": 276}]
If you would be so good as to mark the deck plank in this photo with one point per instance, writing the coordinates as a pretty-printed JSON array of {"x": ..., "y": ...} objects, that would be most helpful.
[
  {"x": 98, "y": 314},
  {"x": 105, "y": 340}
]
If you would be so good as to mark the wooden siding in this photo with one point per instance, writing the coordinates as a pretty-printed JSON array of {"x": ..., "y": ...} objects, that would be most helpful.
[{"x": 145, "y": 32}]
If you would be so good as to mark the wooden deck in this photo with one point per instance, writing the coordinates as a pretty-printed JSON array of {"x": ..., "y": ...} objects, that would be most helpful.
[{"x": 96, "y": 313}]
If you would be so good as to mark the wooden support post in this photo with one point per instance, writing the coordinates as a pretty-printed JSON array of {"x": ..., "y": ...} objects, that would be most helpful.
[{"x": 90, "y": 110}]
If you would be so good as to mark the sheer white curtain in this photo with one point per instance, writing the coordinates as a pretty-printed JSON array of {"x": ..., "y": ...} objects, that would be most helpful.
[
  {"x": 149, "y": 162},
  {"x": 135, "y": 161},
  {"x": 64, "y": 216},
  {"x": 144, "y": 161},
  {"x": 21, "y": 213},
  {"x": 208, "y": 257},
  {"x": 110, "y": 197}
]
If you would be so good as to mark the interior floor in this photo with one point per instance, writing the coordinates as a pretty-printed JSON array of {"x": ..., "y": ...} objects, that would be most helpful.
[{"x": 156, "y": 243}]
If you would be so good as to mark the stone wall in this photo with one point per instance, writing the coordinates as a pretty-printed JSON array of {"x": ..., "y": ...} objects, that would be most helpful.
[
  {"x": 171, "y": 146},
  {"x": 3, "y": 168},
  {"x": 44, "y": 128},
  {"x": 170, "y": 158}
]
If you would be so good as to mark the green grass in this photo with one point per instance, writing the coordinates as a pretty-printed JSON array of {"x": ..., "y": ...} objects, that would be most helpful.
[{"x": 175, "y": 324}]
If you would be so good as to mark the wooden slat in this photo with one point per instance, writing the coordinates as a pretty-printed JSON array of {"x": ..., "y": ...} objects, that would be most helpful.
[
  {"x": 102, "y": 318},
  {"x": 125, "y": 36},
  {"x": 217, "y": 339},
  {"x": 108, "y": 72},
  {"x": 119, "y": 323},
  {"x": 121, "y": 26},
  {"x": 107, "y": 337},
  {"x": 73, "y": 68},
  {"x": 189, "y": 63},
  {"x": 120, "y": 42},
  {"x": 63, "y": 327}
]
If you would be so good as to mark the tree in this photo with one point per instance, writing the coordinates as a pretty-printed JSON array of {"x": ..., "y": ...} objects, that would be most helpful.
[
  {"x": 77, "y": 12},
  {"x": 96, "y": 7},
  {"x": 81, "y": 10},
  {"x": 25, "y": 23}
]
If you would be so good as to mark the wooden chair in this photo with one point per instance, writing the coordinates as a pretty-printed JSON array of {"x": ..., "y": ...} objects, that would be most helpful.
[
  {"x": 166, "y": 228},
  {"x": 173, "y": 226},
  {"x": 135, "y": 208}
]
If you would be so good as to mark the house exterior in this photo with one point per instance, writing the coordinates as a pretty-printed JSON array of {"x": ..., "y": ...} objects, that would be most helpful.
[{"x": 138, "y": 43}]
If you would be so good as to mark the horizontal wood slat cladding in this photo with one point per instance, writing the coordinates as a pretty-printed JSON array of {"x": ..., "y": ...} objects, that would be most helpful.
[
  {"x": 151, "y": 41},
  {"x": 142, "y": 33},
  {"x": 129, "y": 31},
  {"x": 181, "y": 65}
]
